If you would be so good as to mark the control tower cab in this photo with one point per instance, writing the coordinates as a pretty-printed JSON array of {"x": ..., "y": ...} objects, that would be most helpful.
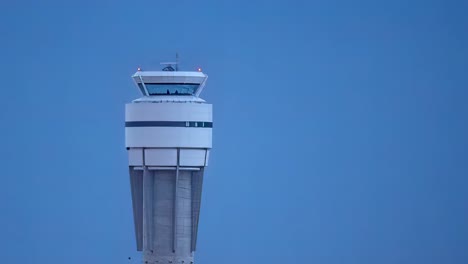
[{"x": 168, "y": 138}]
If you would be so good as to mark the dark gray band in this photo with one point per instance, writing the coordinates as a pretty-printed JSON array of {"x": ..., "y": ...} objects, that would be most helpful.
[{"x": 169, "y": 124}]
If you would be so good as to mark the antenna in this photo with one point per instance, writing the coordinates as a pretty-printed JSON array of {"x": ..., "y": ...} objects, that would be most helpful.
[{"x": 168, "y": 65}]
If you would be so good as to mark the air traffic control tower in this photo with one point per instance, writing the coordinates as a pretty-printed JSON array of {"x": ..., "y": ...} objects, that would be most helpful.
[{"x": 168, "y": 138}]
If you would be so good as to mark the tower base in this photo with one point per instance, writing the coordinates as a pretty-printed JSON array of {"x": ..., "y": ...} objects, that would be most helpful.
[{"x": 151, "y": 258}]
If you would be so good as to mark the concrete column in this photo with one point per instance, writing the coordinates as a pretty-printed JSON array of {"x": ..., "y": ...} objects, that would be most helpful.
[{"x": 148, "y": 199}]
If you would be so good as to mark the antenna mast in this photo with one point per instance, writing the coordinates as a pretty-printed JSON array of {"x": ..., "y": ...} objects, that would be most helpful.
[{"x": 168, "y": 65}]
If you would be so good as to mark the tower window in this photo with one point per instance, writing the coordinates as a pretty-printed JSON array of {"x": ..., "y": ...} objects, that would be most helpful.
[{"x": 171, "y": 88}]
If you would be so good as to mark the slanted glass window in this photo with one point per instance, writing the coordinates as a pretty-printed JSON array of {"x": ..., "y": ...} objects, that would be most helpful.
[
  {"x": 142, "y": 89},
  {"x": 171, "y": 88}
]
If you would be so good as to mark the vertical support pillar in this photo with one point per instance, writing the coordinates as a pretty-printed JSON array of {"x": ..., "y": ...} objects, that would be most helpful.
[
  {"x": 136, "y": 183},
  {"x": 197, "y": 185},
  {"x": 174, "y": 217},
  {"x": 148, "y": 183}
]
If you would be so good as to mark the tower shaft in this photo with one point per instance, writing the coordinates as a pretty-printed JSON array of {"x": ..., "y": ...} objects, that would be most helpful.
[{"x": 170, "y": 215}]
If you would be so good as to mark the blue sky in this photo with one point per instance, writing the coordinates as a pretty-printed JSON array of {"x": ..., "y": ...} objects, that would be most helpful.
[{"x": 340, "y": 128}]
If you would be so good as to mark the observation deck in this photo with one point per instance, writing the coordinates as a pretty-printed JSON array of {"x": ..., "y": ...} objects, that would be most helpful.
[{"x": 175, "y": 86}]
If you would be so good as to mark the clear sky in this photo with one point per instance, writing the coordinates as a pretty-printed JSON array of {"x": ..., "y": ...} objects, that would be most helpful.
[{"x": 340, "y": 128}]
